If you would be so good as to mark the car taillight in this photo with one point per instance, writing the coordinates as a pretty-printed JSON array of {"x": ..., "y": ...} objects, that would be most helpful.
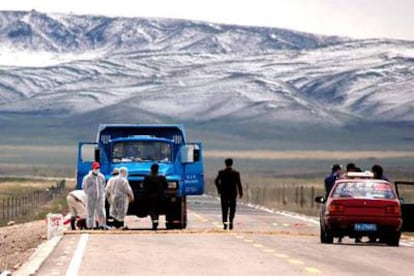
[
  {"x": 336, "y": 208},
  {"x": 393, "y": 209}
]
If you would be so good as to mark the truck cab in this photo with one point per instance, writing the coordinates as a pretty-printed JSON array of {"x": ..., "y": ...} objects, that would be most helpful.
[{"x": 137, "y": 147}]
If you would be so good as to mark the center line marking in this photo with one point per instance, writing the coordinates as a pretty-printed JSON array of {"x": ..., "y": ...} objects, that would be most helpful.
[
  {"x": 312, "y": 270},
  {"x": 281, "y": 255},
  {"x": 294, "y": 261},
  {"x": 77, "y": 257}
]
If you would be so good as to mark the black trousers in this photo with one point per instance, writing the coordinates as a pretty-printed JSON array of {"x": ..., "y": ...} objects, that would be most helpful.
[{"x": 228, "y": 203}]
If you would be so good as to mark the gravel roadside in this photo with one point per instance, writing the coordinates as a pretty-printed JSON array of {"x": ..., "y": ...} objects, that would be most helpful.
[{"x": 19, "y": 242}]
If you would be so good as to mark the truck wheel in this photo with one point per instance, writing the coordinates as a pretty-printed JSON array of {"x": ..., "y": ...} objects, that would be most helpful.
[{"x": 176, "y": 216}]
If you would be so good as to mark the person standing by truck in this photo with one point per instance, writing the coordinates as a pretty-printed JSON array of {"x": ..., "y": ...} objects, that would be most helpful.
[
  {"x": 154, "y": 186},
  {"x": 119, "y": 194},
  {"x": 228, "y": 185},
  {"x": 93, "y": 185}
]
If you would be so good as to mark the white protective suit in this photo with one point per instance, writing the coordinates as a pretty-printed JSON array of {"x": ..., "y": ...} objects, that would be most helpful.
[
  {"x": 119, "y": 194},
  {"x": 77, "y": 204},
  {"x": 94, "y": 188}
]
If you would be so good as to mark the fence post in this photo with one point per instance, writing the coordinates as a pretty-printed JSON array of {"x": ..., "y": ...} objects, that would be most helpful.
[
  {"x": 302, "y": 200},
  {"x": 4, "y": 208},
  {"x": 312, "y": 197},
  {"x": 12, "y": 208},
  {"x": 296, "y": 195},
  {"x": 8, "y": 208}
]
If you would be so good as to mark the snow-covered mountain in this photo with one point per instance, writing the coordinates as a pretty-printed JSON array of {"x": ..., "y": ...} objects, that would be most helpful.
[{"x": 99, "y": 69}]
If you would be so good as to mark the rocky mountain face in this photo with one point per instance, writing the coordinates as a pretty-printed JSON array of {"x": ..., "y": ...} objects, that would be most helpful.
[{"x": 85, "y": 70}]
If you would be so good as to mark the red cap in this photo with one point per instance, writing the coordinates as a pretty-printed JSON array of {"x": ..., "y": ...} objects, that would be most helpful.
[{"x": 95, "y": 165}]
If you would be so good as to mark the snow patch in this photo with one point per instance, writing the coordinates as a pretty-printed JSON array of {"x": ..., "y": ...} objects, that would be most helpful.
[{"x": 22, "y": 58}]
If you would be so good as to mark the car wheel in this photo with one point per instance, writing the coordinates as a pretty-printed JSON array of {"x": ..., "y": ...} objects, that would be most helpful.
[
  {"x": 326, "y": 237},
  {"x": 394, "y": 239}
]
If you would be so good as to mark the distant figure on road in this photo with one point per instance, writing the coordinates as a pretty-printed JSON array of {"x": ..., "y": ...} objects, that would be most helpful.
[
  {"x": 228, "y": 185},
  {"x": 76, "y": 201},
  {"x": 119, "y": 194},
  {"x": 93, "y": 185},
  {"x": 154, "y": 185},
  {"x": 330, "y": 179}
]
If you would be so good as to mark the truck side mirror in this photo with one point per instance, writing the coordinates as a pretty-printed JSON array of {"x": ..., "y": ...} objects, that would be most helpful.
[
  {"x": 97, "y": 155},
  {"x": 190, "y": 153},
  {"x": 196, "y": 154}
]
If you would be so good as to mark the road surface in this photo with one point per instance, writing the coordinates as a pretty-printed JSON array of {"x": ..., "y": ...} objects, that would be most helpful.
[{"x": 262, "y": 243}]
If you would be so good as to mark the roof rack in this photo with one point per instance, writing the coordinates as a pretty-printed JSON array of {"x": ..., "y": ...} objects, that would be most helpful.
[{"x": 365, "y": 174}]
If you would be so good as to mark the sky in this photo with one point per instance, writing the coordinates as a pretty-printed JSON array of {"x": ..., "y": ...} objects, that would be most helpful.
[{"x": 351, "y": 18}]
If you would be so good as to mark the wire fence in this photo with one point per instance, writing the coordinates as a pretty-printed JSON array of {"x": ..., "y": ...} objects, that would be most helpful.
[
  {"x": 26, "y": 205},
  {"x": 290, "y": 197}
]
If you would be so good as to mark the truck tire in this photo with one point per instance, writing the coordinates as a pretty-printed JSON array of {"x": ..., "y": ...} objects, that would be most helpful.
[{"x": 176, "y": 215}]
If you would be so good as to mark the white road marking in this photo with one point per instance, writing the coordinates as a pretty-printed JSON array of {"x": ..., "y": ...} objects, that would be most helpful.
[
  {"x": 312, "y": 270},
  {"x": 295, "y": 261},
  {"x": 281, "y": 255},
  {"x": 77, "y": 257},
  {"x": 403, "y": 243}
]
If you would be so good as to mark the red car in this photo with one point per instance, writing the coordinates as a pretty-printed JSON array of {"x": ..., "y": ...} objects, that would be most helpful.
[{"x": 361, "y": 206}]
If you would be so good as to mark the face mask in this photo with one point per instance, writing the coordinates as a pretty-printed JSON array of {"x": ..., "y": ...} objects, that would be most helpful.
[{"x": 95, "y": 171}]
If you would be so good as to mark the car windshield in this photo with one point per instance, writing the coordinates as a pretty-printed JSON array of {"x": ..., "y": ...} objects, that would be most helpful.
[
  {"x": 363, "y": 189},
  {"x": 141, "y": 151}
]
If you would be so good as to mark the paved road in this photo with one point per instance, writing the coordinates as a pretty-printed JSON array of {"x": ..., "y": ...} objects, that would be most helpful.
[{"x": 262, "y": 243}]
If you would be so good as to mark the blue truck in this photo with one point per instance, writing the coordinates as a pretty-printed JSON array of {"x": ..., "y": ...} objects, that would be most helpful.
[{"x": 137, "y": 147}]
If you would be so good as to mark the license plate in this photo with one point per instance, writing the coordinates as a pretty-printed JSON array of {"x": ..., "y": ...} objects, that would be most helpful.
[{"x": 365, "y": 227}]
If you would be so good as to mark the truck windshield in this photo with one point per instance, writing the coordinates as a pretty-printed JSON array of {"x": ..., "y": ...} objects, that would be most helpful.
[{"x": 135, "y": 151}]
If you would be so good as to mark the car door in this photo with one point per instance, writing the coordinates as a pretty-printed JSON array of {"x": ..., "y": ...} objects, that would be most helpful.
[{"x": 405, "y": 192}]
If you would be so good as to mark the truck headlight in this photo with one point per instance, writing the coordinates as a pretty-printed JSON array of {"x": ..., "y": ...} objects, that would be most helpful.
[{"x": 172, "y": 185}]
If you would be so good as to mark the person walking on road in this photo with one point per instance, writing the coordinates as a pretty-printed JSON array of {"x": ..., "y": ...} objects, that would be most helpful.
[
  {"x": 119, "y": 194},
  {"x": 228, "y": 185},
  {"x": 93, "y": 185},
  {"x": 154, "y": 186}
]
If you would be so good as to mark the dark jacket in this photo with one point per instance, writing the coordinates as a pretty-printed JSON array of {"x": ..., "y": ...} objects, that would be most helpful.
[
  {"x": 154, "y": 186},
  {"x": 228, "y": 183},
  {"x": 329, "y": 182}
]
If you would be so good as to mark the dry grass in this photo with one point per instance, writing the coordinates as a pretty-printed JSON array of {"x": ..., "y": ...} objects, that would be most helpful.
[
  {"x": 23, "y": 187},
  {"x": 311, "y": 155},
  {"x": 17, "y": 150}
]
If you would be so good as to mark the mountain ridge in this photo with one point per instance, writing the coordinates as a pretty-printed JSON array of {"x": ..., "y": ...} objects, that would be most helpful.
[{"x": 84, "y": 70}]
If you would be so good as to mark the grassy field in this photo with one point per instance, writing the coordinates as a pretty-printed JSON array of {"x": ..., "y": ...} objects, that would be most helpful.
[
  {"x": 55, "y": 160},
  {"x": 18, "y": 187},
  {"x": 308, "y": 154}
]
